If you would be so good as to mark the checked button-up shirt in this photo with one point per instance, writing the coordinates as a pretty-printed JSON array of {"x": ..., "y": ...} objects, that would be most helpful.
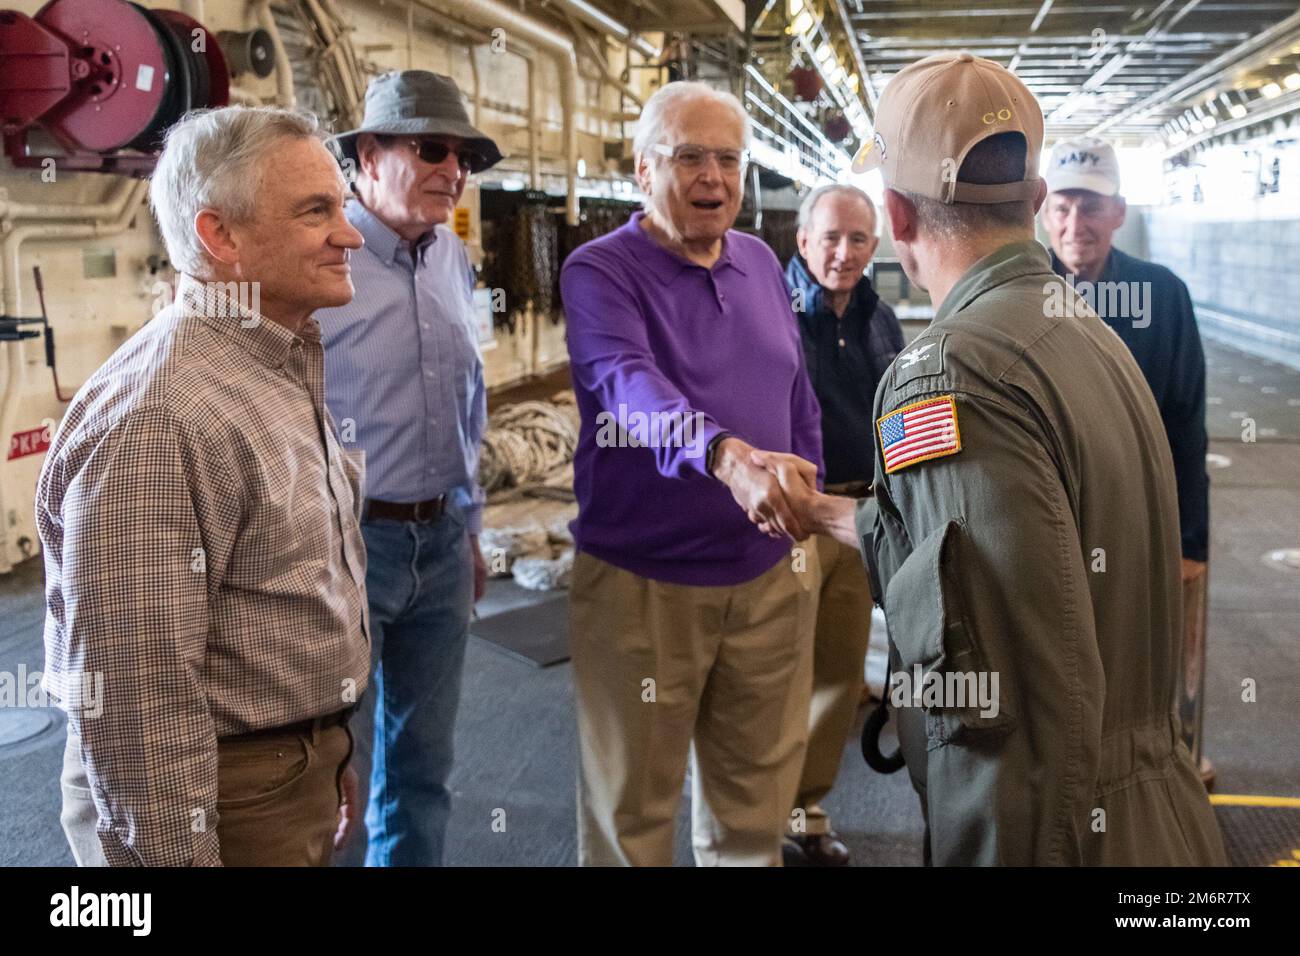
[{"x": 204, "y": 566}]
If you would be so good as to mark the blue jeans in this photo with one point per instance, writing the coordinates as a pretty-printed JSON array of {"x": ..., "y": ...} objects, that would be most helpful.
[{"x": 421, "y": 588}]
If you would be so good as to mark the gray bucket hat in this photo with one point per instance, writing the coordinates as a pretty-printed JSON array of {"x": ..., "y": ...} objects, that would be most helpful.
[{"x": 422, "y": 104}]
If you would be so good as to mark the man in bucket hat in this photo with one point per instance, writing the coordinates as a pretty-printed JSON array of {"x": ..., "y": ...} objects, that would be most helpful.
[{"x": 404, "y": 379}]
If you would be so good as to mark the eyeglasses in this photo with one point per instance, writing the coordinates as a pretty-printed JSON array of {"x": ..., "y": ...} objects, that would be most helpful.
[
  {"x": 690, "y": 156},
  {"x": 433, "y": 151}
]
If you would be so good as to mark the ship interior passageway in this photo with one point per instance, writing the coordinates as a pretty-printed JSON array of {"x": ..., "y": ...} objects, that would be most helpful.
[{"x": 501, "y": 248}]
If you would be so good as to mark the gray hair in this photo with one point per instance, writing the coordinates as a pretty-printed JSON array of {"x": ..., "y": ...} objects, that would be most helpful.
[
  {"x": 211, "y": 159},
  {"x": 813, "y": 198},
  {"x": 668, "y": 99}
]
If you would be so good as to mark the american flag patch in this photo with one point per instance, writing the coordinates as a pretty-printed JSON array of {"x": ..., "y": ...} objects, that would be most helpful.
[{"x": 919, "y": 432}]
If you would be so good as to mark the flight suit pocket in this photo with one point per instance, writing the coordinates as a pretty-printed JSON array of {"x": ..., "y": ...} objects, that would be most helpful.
[{"x": 944, "y": 669}]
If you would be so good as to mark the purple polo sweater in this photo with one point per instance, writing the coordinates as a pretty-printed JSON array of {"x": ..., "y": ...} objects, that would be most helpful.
[{"x": 674, "y": 354}]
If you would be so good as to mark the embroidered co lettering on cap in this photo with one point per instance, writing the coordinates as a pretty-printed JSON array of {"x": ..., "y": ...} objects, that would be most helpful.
[{"x": 934, "y": 111}]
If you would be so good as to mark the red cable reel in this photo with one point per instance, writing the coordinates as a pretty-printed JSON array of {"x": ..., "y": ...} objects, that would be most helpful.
[{"x": 101, "y": 76}]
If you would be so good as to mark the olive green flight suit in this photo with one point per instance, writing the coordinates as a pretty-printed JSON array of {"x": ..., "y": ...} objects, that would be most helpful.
[{"x": 1046, "y": 549}]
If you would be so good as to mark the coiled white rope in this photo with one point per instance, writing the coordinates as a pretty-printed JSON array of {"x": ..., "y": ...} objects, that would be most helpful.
[
  {"x": 529, "y": 443},
  {"x": 528, "y": 450}
]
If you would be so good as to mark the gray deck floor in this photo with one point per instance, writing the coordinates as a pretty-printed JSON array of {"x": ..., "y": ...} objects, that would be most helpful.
[{"x": 515, "y": 736}]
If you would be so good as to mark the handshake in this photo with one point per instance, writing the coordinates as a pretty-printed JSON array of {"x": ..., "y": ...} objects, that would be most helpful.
[{"x": 778, "y": 491}]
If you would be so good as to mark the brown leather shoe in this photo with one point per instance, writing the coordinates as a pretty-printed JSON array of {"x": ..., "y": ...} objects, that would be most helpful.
[{"x": 821, "y": 849}]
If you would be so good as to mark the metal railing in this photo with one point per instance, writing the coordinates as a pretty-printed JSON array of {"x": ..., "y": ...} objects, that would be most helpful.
[{"x": 785, "y": 140}]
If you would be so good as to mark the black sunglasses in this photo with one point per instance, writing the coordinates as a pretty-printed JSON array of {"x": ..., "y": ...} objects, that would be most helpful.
[{"x": 434, "y": 152}]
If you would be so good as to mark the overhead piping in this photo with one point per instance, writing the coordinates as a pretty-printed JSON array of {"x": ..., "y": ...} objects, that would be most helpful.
[
  {"x": 864, "y": 81},
  {"x": 608, "y": 25},
  {"x": 284, "y": 95},
  {"x": 601, "y": 63},
  {"x": 1203, "y": 77}
]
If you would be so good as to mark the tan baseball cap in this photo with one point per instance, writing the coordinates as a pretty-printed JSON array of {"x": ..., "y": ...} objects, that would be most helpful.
[
  {"x": 1085, "y": 162},
  {"x": 931, "y": 114}
]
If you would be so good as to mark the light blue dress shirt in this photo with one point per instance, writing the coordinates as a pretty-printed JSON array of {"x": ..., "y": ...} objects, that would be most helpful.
[{"x": 403, "y": 372}]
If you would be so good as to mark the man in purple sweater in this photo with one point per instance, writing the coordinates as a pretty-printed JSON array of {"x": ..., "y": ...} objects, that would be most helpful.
[{"x": 690, "y": 626}]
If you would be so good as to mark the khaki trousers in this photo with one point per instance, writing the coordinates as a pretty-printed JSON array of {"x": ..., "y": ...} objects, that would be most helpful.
[
  {"x": 839, "y": 653},
  {"x": 277, "y": 804},
  {"x": 666, "y": 672}
]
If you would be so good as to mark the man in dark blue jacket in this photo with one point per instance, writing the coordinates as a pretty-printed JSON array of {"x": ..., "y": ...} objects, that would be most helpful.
[
  {"x": 849, "y": 339},
  {"x": 1147, "y": 306},
  {"x": 1150, "y": 309}
]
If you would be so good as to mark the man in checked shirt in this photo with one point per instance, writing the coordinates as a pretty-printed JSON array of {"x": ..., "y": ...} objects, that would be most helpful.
[{"x": 199, "y": 521}]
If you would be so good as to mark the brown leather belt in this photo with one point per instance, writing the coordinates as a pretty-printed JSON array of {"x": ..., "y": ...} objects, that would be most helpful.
[
  {"x": 421, "y": 512},
  {"x": 301, "y": 727},
  {"x": 851, "y": 489}
]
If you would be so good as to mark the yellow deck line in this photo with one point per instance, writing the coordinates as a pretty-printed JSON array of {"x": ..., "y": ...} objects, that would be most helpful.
[{"x": 1252, "y": 800}]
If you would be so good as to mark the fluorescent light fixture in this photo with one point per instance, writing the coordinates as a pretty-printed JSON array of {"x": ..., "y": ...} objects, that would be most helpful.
[
  {"x": 825, "y": 54},
  {"x": 794, "y": 6},
  {"x": 803, "y": 22},
  {"x": 1112, "y": 66},
  {"x": 1270, "y": 90},
  {"x": 1291, "y": 81},
  {"x": 512, "y": 185},
  {"x": 836, "y": 76},
  {"x": 1066, "y": 106},
  {"x": 1237, "y": 110}
]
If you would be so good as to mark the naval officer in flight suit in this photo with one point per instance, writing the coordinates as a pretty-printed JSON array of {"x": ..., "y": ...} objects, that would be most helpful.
[{"x": 1025, "y": 520}]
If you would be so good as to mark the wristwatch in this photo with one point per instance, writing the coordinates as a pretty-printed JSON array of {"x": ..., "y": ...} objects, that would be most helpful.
[{"x": 712, "y": 450}]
